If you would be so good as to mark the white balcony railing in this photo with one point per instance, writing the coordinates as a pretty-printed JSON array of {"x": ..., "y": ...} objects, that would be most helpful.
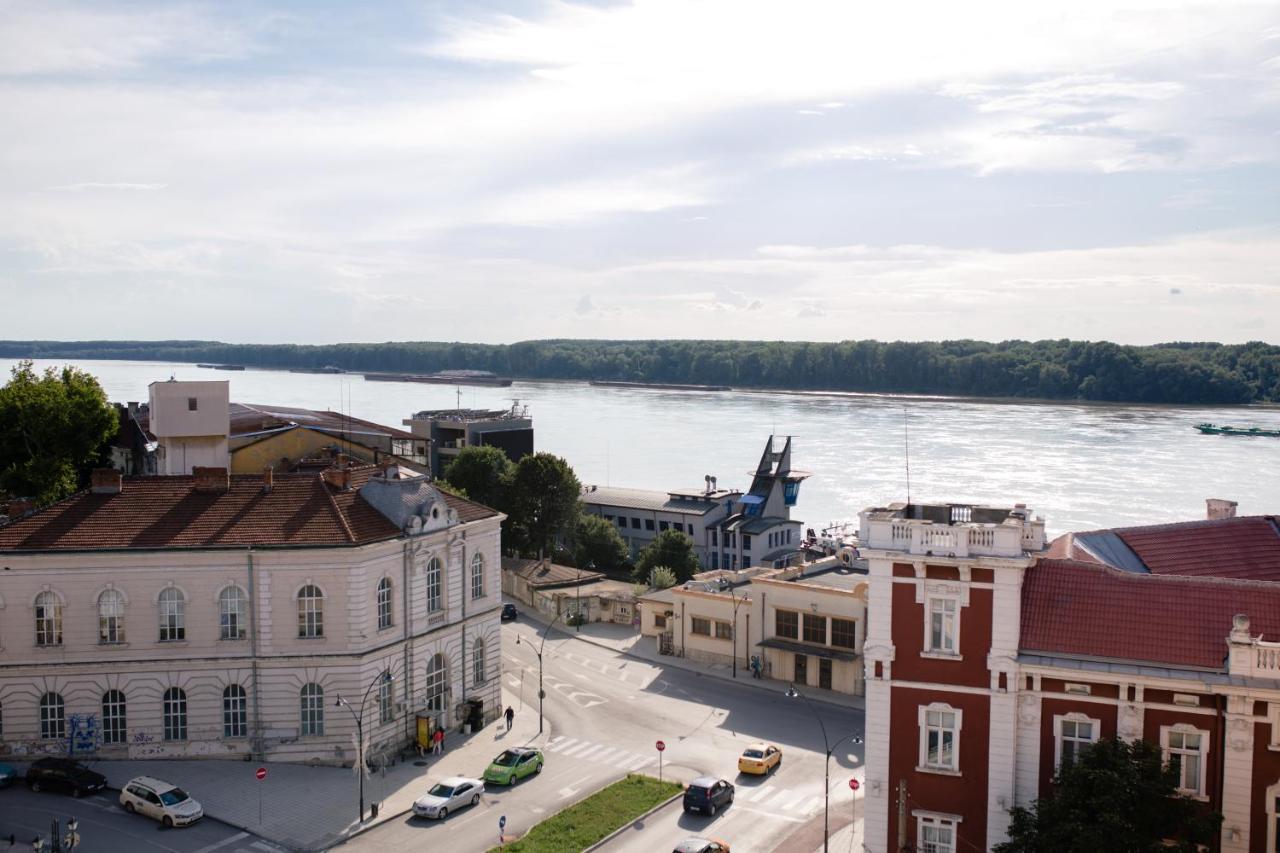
[{"x": 925, "y": 538}]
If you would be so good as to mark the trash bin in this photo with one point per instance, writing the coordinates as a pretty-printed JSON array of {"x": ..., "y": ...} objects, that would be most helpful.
[{"x": 373, "y": 811}]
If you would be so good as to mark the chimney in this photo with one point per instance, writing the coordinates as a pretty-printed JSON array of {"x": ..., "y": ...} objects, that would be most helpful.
[
  {"x": 268, "y": 478},
  {"x": 339, "y": 478},
  {"x": 210, "y": 479},
  {"x": 1219, "y": 509},
  {"x": 343, "y": 460},
  {"x": 19, "y": 507},
  {"x": 105, "y": 481}
]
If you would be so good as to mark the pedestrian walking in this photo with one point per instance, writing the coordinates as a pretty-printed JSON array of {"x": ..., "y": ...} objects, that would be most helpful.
[
  {"x": 437, "y": 742},
  {"x": 511, "y": 715}
]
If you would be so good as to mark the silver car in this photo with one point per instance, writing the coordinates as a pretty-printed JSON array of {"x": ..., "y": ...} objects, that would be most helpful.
[{"x": 448, "y": 795}]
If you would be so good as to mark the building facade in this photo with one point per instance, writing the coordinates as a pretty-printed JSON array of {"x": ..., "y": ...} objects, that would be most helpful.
[
  {"x": 993, "y": 658},
  {"x": 451, "y": 430},
  {"x": 219, "y": 615}
]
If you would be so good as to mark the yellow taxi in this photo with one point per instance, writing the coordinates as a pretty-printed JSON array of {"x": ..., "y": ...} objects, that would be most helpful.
[{"x": 759, "y": 759}]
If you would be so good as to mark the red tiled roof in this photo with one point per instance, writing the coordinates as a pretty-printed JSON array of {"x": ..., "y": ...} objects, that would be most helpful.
[
  {"x": 1075, "y": 608},
  {"x": 167, "y": 512},
  {"x": 1247, "y": 548}
]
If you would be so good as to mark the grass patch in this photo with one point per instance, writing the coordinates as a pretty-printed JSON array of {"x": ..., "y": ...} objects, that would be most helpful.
[{"x": 585, "y": 823}]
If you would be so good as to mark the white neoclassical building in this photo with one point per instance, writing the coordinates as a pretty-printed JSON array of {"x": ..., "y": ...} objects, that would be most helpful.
[{"x": 222, "y": 615}]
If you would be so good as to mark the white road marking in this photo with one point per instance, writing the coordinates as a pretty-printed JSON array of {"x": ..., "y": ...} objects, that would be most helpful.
[
  {"x": 813, "y": 804},
  {"x": 772, "y": 815},
  {"x": 564, "y": 743},
  {"x": 591, "y": 751},
  {"x": 591, "y": 703},
  {"x": 760, "y": 794},
  {"x": 645, "y": 762},
  {"x": 574, "y": 750},
  {"x": 604, "y": 756},
  {"x": 789, "y": 801},
  {"x": 554, "y": 742},
  {"x": 223, "y": 843},
  {"x": 568, "y": 791}
]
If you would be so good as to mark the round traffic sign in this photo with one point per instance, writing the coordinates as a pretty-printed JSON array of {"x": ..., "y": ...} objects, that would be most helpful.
[
  {"x": 260, "y": 773},
  {"x": 502, "y": 822},
  {"x": 660, "y": 745},
  {"x": 853, "y": 784}
]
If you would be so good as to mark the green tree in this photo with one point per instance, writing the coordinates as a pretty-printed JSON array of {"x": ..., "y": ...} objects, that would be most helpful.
[
  {"x": 482, "y": 473},
  {"x": 1117, "y": 797},
  {"x": 54, "y": 428},
  {"x": 543, "y": 502},
  {"x": 660, "y": 577},
  {"x": 670, "y": 549},
  {"x": 596, "y": 542}
]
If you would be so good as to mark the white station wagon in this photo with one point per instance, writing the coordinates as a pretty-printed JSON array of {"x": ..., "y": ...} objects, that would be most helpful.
[{"x": 160, "y": 800}]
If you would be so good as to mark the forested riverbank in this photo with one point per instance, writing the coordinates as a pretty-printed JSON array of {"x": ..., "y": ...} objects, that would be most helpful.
[{"x": 1207, "y": 373}]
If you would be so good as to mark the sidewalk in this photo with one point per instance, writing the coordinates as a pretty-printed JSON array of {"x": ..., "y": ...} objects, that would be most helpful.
[
  {"x": 313, "y": 808},
  {"x": 627, "y": 640}
]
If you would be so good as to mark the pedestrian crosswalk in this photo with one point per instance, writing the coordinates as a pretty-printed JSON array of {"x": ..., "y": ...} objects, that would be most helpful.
[
  {"x": 599, "y": 753},
  {"x": 793, "y": 801}
]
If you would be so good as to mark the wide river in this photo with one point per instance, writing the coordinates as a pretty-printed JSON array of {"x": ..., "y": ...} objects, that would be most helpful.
[{"x": 1080, "y": 466}]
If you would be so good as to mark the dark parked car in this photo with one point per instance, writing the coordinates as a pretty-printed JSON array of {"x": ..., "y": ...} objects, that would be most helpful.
[
  {"x": 707, "y": 794},
  {"x": 64, "y": 774},
  {"x": 509, "y": 613}
]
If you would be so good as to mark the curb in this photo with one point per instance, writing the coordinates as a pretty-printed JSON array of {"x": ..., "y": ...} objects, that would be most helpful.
[
  {"x": 574, "y": 635},
  {"x": 626, "y": 826}
]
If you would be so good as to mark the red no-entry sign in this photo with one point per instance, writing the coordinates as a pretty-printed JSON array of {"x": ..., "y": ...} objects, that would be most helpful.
[
  {"x": 260, "y": 773},
  {"x": 660, "y": 746},
  {"x": 853, "y": 784}
]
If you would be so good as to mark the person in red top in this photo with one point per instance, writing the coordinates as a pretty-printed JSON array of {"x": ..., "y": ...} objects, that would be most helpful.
[{"x": 437, "y": 742}]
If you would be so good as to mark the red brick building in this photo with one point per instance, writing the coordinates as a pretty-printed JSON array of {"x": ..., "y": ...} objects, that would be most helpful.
[{"x": 991, "y": 656}]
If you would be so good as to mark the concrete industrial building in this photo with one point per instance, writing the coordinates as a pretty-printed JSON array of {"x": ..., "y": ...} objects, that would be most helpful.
[{"x": 451, "y": 430}]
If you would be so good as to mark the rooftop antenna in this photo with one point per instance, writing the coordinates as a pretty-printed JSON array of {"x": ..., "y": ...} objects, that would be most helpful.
[
  {"x": 906, "y": 443},
  {"x": 458, "y": 390}
]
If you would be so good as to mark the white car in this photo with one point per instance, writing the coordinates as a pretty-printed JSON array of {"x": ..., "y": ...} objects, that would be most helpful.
[
  {"x": 448, "y": 795},
  {"x": 161, "y": 800}
]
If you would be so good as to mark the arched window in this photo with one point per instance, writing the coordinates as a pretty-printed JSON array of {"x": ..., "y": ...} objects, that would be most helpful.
[
  {"x": 386, "y": 698},
  {"x": 113, "y": 717},
  {"x": 173, "y": 615},
  {"x": 235, "y": 717},
  {"x": 384, "y": 603},
  {"x": 231, "y": 618},
  {"x": 477, "y": 662},
  {"x": 477, "y": 576},
  {"x": 310, "y": 611},
  {"x": 175, "y": 714},
  {"x": 312, "y": 709},
  {"x": 437, "y": 682},
  {"x": 53, "y": 717},
  {"x": 435, "y": 599},
  {"x": 48, "y": 620},
  {"x": 110, "y": 617}
]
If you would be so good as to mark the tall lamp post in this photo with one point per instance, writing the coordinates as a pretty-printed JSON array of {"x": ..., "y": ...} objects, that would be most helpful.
[
  {"x": 383, "y": 678},
  {"x": 792, "y": 693},
  {"x": 541, "y": 692},
  {"x": 737, "y": 602},
  {"x": 57, "y": 841}
]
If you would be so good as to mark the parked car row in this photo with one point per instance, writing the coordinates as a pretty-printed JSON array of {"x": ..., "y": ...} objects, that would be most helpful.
[{"x": 144, "y": 795}]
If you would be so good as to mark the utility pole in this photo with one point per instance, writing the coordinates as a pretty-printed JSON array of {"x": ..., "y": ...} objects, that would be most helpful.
[{"x": 902, "y": 815}]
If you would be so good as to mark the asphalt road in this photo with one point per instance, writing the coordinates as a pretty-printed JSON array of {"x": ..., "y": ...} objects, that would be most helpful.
[
  {"x": 106, "y": 828},
  {"x": 605, "y": 712}
]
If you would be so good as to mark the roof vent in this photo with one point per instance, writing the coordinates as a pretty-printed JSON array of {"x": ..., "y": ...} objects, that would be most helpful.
[
  {"x": 105, "y": 481},
  {"x": 1217, "y": 508},
  {"x": 211, "y": 479}
]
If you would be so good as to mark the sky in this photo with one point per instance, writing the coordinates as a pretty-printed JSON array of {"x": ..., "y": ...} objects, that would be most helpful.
[{"x": 497, "y": 170}]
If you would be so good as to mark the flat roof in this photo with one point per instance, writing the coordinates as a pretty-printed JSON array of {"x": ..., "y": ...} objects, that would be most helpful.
[
  {"x": 836, "y": 577},
  {"x": 646, "y": 499}
]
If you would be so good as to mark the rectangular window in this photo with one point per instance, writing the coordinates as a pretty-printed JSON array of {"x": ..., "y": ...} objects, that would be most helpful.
[
  {"x": 608, "y": 518},
  {"x": 746, "y": 541},
  {"x": 1075, "y": 733},
  {"x": 787, "y": 624},
  {"x": 939, "y": 738},
  {"x": 698, "y": 625},
  {"x": 680, "y": 526},
  {"x": 715, "y": 560},
  {"x": 714, "y": 539},
  {"x": 815, "y": 629},
  {"x": 935, "y": 834},
  {"x": 662, "y": 525},
  {"x": 724, "y": 631},
  {"x": 635, "y": 524},
  {"x": 844, "y": 633},
  {"x": 622, "y": 521},
  {"x": 659, "y": 621},
  {"x": 648, "y": 524},
  {"x": 193, "y": 404},
  {"x": 942, "y": 625},
  {"x": 1185, "y": 749}
]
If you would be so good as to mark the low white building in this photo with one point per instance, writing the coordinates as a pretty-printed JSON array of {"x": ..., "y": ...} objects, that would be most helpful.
[{"x": 220, "y": 615}]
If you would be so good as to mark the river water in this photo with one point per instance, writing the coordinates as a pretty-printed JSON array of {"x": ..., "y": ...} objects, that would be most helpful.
[{"x": 1080, "y": 466}]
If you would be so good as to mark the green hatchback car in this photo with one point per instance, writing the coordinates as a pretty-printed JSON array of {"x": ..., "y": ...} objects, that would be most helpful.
[{"x": 514, "y": 764}]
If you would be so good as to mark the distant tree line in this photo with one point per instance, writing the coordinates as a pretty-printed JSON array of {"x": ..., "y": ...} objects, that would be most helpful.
[{"x": 1050, "y": 369}]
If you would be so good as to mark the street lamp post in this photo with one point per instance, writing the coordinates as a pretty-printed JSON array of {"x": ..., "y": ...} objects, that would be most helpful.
[
  {"x": 541, "y": 692},
  {"x": 359, "y": 718},
  {"x": 737, "y": 602},
  {"x": 792, "y": 693}
]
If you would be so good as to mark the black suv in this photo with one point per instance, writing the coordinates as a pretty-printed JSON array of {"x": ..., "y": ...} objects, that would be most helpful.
[
  {"x": 707, "y": 794},
  {"x": 509, "y": 613},
  {"x": 64, "y": 774}
]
